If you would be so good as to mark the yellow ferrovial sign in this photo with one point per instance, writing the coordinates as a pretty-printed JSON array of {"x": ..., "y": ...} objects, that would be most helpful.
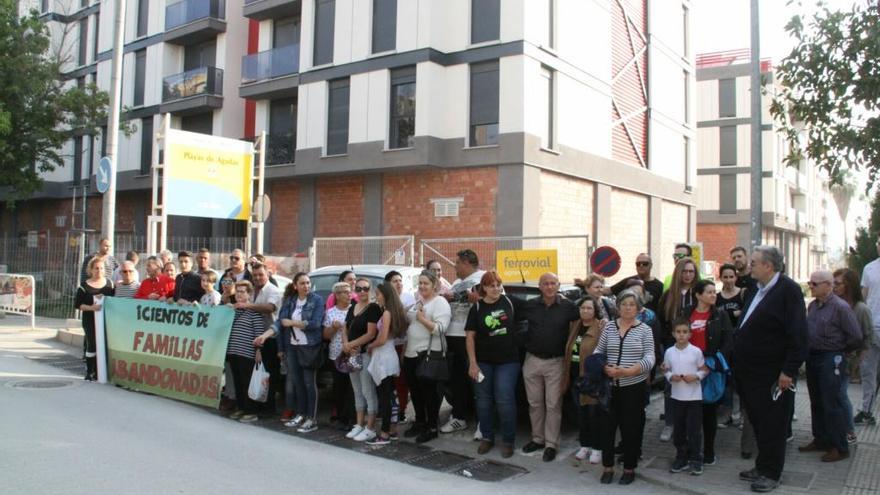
[{"x": 525, "y": 264}]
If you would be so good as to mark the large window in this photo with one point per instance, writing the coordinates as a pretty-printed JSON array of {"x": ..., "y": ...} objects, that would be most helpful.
[
  {"x": 547, "y": 109},
  {"x": 285, "y": 32},
  {"x": 337, "y": 118},
  {"x": 97, "y": 37},
  {"x": 484, "y": 104},
  {"x": 140, "y": 69},
  {"x": 83, "y": 40},
  {"x": 77, "y": 159},
  {"x": 485, "y": 20},
  {"x": 325, "y": 13},
  {"x": 685, "y": 29},
  {"x": 727, "y": 98},
  {"x": 727, "y": 145},
  {"x": 143, "y": 17},
  {"x": 686, "y": 81},
  {"x": 384, "y": 25},
  {"x": 146, "y": 145},
  {"x": 282, "y": 131},
  {"x": 403, "y": 108}
]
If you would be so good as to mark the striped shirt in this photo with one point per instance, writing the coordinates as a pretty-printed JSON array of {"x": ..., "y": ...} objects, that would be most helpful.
[
  {"x": 130, "y": 290},
  {"x": 635, "y": 347},
  {"x": 246, "y": 326}
]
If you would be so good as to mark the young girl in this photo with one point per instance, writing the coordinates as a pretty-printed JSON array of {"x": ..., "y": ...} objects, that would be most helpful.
[
  {"x": 211, "y": 297},
  {"x": 684, "y": 368},
  {"x": 384, "y": 363}
]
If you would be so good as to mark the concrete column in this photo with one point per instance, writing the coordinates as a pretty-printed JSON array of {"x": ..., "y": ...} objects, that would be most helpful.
[
  {"x": 603, "y": 215},
  {"x": 307, "y": 214},
  {"x": 373, "y": 205},
  {"x": 655, "y": 227},
  {"x": 531, "y": 201}
]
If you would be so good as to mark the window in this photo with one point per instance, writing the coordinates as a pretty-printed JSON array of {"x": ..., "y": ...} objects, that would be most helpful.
[
  {"x": 203, "y": 123},
  {"x": 97, "y": 27},
  {"x": 140, "y": 69},
  {"x": 727, "y": 193},
  {"x": 83, "y": 40},
  {"x": 484, "y": 104},
  {"x": 103, "y": 141},
  {"x": 285, "y": 32},
  {"x": 325, "y": 12},
  {"x": 726, "y": 98},
  {"x": 686, "y": 79},
  {"x": 44, "y": 6},
  {"x": 688, "y": 187},
  {"x": 547, "y": 108},
  {"x": 447, "y": 207},
  {"x": 146, "y": 145},
  {"x": 77, "y": 159},
  {"x": 384, "y": 25},
  {"x": 546, "y": 9},
  {"x": 202, "y": 55},
  {"x": 81, "y": 82},
  {"x": 727, "y": 145},
  {"x": 685, "y": 30},
  {"x": 282, "y": 131},
  {"x": 337, "y": 118},
  {"x": 403, "y": 108},
  {"x": 485, "y": 20},
  {"x": 143, "y": 17}
]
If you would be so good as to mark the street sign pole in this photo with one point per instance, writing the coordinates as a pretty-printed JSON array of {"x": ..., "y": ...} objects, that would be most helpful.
[
  {"x": 757, "y": 162},
  {"x": 108, "y": 212}
]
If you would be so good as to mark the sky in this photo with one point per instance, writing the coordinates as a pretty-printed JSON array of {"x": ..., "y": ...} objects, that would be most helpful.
[{"x": 720, "y": 25}]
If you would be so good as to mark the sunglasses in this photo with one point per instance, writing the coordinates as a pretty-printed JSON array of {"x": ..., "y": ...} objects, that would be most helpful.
[
  {"x": 643, "y": 263},
  {"x": 126, "y": 271},
  {"x": 362, "y": 289},
  {"x": 226, "y": 282},
  {"x": 234, "y": 258},
  {"x": 678, "y": 256},
  {"x": 815, "y": 284}
]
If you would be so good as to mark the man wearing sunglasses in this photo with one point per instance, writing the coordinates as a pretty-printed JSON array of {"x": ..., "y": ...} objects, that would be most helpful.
[
  {"x": 237, "y": 270},
  {"x": 770, "y": 346},
  {"x": 833, "y": 331},
  {"x": 128, "y": 285},
  {"x": 682, "y": 250},
  {"x": 653, "y": 288}
]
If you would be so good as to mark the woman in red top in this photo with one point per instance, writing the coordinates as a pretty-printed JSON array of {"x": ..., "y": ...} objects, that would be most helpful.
[{"x": 711, "y": 331}]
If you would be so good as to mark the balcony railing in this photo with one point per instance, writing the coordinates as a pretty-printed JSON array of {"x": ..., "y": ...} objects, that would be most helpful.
[
  {"x": 195, "y": 82},
  {"x": 187, "y": 11},
  {"x": 280, "y": 148},
  {"x": 270, "y": 64}
]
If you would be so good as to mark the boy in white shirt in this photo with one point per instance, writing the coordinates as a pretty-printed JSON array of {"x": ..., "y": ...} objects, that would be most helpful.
[{"x": 684, "y": 368}]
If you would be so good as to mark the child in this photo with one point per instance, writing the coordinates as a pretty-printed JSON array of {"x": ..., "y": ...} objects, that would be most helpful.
[
  {"x": 684, "y": 368},
  {"x": 211, "y": 297}
]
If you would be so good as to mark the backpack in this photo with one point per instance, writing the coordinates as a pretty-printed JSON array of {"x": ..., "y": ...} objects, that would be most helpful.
[{"x": 716, "y": 381}]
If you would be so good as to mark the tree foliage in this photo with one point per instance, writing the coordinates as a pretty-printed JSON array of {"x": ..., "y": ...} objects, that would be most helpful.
[
  {"x": 865, "y": 250},
  {"x": 828, "y": 106},
  {"x": 38, "y": 110}
]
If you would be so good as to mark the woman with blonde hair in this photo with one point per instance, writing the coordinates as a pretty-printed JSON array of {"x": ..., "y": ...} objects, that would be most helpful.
[{"x": 88, "y": 299}]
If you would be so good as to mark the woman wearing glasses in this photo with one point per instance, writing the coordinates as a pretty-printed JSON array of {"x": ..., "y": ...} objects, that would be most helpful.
[{"x": 360, "y": 323}]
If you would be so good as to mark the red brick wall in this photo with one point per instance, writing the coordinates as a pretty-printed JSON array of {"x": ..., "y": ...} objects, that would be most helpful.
[
  {"x": 407, "y": 207},
  {"x": 39, "y": 214},
  {"x": 718, "y": 239},
  {"x": 340, "y": 207},
  {"x": 285, "y": 217}
]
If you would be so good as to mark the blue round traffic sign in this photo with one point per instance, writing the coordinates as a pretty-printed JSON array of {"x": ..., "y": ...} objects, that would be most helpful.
[
  {"x": 605, "y": 261},
  {"x": 104, "y": 175}
]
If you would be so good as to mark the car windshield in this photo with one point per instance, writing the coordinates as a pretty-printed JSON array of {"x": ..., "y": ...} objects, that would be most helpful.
[{"x": 323, "y": 284}]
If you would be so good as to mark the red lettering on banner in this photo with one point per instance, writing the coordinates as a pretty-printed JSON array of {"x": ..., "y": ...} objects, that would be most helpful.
[
  {"x": 198, "y": 352},
  {"x": 161, "y": 344},
  {"x": 137, "y": 340}
]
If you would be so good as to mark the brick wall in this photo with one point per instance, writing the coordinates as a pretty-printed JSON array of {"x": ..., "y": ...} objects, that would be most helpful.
[
  {"x": 285, "y": 217},
  {"x": 674, "y": 229},
  {"x": 567, "y": 205},
  {"x": 629, "y": 229},
  {"x": 340, "y": 207},
  {"x": 718, "y": 240}
]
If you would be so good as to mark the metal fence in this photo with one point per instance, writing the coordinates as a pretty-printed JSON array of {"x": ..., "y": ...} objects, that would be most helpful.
[
  {"x": 389, "y": 250},
  {"x": 572, "y": 252}
]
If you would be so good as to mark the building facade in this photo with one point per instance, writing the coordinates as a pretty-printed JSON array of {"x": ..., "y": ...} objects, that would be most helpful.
[
  {"x": 449, "y": 118},
  {"x": 796, "y": 200}
]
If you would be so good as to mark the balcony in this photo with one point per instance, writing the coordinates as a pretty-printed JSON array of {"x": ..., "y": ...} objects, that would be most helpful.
[
  {"x": 194, "y": 91},
  {"x": 193, "y": 21},
  {"x": 270, "y": 74},
  {"x": 261, "y": 10},
  {"x": 280, "y": 149}
]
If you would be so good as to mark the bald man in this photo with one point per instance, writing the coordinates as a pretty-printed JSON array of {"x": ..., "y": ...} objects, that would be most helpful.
[
  {"x": 549, "y": 318},
  {"x": 832, "y": 332}
]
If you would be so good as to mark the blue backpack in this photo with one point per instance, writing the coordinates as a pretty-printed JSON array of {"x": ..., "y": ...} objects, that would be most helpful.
[{"x": 716, "y": 381}]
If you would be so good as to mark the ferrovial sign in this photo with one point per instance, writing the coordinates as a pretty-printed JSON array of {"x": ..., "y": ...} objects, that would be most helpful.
[
  {"x": 525, "y": 264},
  {"x": 207, "y": 176}
]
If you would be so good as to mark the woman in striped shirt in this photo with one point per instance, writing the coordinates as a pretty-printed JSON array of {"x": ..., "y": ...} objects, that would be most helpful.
[
  {"x": 241, "y": 354},
  {"x": 629, "y": 347}
]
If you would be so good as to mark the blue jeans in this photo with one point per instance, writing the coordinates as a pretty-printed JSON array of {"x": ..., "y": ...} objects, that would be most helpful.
[
  {"x": 498, "y": 389},
  {"x": 304, "y": 385},
  {"x": 827, "y": 406},
  {"x": 847, "y": 404}
]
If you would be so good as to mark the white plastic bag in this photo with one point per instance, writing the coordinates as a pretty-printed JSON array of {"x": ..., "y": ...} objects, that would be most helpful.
[{"x": 259, "y": 386}]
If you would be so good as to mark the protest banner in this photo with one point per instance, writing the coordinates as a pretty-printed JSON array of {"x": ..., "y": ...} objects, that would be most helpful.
[{"x": 168, "y": 350}]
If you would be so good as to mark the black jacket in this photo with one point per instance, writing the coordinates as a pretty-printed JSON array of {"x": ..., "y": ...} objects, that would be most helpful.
[
  {"x": 719, "y": 333},
  {"x": 688, "y": 303},
  {"x": 774, "y": 337}
]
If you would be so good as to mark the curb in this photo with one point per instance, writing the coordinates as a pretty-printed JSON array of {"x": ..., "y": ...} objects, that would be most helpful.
[{"x": 73, "y": 337}]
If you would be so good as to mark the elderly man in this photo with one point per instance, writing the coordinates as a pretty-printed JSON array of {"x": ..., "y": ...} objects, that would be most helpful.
[
  {"x": 267, "y": 302},
  {"x": 157, "y": 285},
  {"x": 237, "y": 267},
  {"x": 770, "y": 346},
  {"x": 128, "y": 285},
  {"x": 652, "y": 288},
  {"x": 549, "y": 318},
  {"x": 105, "y": 253},
  {"x": 187, "y": 284},
  {"x": 833, "y": 331}
]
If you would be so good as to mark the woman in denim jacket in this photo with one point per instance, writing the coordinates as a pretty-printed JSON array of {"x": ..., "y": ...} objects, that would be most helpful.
[{"x": 299, "y": 322}]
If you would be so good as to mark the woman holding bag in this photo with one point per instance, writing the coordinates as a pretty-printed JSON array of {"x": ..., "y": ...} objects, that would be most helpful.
[
  {"x": 299, "y": 330},
  {"x": 89, "y": 297},
  {"x": 428, "y": 320},
  {"x": 384, "y": 363},
  {"x": 240, "y": 352},
  {"x": 360, "y": 323}
]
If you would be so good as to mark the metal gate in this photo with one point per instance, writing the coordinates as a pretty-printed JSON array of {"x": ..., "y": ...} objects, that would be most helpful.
[
  {"x": 573, "y": 252},
  {"x": 374, "y": 250}
]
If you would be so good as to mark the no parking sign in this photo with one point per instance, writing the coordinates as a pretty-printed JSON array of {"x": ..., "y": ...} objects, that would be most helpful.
[{"x": 605, "y": 261}]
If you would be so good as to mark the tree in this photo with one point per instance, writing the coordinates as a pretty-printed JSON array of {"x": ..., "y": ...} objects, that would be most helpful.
[
  {"x": 39, "y": 111},
  {"x": 828, "y": 105},
  {"x": 865, "y": 249}
]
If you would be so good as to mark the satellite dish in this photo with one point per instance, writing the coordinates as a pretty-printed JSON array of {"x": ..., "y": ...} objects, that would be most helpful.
[{"x": 261, "y": 215}]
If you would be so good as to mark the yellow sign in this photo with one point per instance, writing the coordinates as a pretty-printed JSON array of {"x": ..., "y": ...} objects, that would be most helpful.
[
  {"x": 208, "y": 176},
  {"x": 525, "y": 264}
]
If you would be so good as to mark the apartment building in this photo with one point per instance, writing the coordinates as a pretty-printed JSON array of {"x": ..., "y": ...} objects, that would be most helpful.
[
  {"x": 440, "y": 119},
  {"x": 796, "y": 200}
]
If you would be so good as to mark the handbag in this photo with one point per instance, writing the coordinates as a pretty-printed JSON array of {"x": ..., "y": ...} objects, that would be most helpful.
[
  {"x": 715, "y": 382},
  {"x": 310, "y": 357},
  {"x": 432, "y": 364},
  {"x": 347, "y": 364},
  {"x": 258, "y": 389}
]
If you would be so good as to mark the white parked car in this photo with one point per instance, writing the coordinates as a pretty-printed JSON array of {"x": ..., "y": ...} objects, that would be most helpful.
[{"x": 323, "y": 278}]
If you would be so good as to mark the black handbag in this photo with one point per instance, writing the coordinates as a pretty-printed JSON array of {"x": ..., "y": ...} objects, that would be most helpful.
[
  {"x": 310, "y": 357},
  {"x": 432, "y": 364}
]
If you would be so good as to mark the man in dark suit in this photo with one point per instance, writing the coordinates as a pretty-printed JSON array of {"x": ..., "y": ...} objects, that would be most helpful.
[{"x": 769, "y": 348}]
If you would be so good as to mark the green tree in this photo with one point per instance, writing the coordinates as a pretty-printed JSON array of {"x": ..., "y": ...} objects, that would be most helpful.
[
  {"x": 38, "y": 110},
  {"x": 829, "y": 100},
  {"x": 865, "y": 249}
]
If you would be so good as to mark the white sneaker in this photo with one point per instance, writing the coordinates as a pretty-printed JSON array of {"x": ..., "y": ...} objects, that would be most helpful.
[
  {"x": 355, "y": 431},
  {"x": 478, "y": 435},
  {"x": 595, "y": 457},
  {"x": 295, "y": 422},
  {"x": 308, "y": 427},
  {"x": 364, "y": 435},
  {"x": 666, "y": 434},
  {"x": 453, "y": 424},
  {"x": 582, "y": 453}
]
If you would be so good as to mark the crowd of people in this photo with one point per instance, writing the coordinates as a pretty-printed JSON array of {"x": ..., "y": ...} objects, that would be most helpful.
[{"x": 727, "y": 356}]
